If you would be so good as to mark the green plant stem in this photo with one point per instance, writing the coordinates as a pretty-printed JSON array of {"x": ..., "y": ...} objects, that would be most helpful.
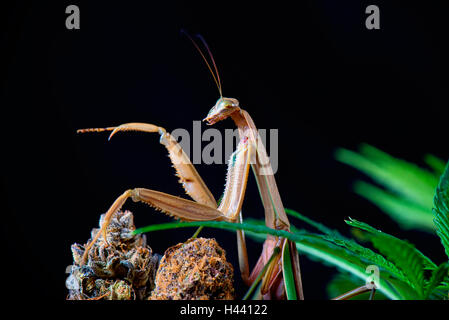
[{"x": 197, "y": 232}]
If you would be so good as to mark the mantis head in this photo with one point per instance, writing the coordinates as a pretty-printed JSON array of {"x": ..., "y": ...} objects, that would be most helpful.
[{"x": 222, "y": 109}]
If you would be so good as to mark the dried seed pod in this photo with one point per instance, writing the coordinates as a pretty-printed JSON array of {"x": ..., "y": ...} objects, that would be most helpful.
[
  {"x": 124, "y": 269},
  {"x": 194, "y": 270}
]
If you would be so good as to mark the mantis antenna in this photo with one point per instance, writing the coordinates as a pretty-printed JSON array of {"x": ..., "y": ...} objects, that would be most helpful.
[{"x": 215, "y": 75}]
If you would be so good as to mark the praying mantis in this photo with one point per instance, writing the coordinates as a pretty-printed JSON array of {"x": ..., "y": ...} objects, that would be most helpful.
[{"x": 250, "y": 153}]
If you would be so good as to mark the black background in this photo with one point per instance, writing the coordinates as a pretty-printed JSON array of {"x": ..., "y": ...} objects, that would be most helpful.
[{"x": 311, "y": 70}]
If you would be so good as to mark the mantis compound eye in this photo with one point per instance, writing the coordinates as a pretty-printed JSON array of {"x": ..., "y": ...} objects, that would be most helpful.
[{"x": 226, "y": 103}]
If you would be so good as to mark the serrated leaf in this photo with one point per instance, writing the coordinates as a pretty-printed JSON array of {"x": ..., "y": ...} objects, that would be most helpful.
[
  {"x": 412, "y": 186},
  {"x": 365, "y": 253},
  {"x": 345, "y": 260},
  {"x": 403, "y": 254},
  {"x": 319, "y": 226},
  {"x": 435, "y": 163},
  {"x": 402, "y": 209},
  {"x": 441, "y": 209},
  {"x": 438, "y": 276},
  {"x": 369, "y": 255}
]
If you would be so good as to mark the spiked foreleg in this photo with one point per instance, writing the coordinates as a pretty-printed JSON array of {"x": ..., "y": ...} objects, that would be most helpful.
[
  {"x": 232, "y": 200},
  {"x": 236, "y": 179}
]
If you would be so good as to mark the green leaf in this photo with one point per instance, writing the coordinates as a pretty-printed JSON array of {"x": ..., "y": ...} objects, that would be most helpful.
[
  {"x": 350, "y": 245},
  {"x": 409, "y": 188},
  {"x": 289, "y": 279},
  {"x": 441, "y": 209},
  {"x": 365, "y": 253},
  {"x": 435, "y": 163},
  {"x": 402, "y": 209},
  {"x": 256, "y": 228},
  {"x": 317, "y": 225},
  {"x": 331, "y": 254},
  {"x": 403, "y": 254},
  {"x": 438, "y": 275},
  {"x": 369, "y": 255}
]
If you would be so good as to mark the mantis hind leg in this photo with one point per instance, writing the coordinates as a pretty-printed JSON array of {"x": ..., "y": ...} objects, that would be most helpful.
[{"x": 177, "y": 207}]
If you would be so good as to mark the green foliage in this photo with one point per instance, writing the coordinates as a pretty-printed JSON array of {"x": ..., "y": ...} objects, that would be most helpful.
[
  {"x": 319, "y": 226},
  {"x": 401, "y": 253},
  {"x": 441, "y": 209},
  {"x": 408, "y": 190},
  {"x": 436, "y": 280},
  {"x": 397, "y": 281},
  {"x": 405, "y": 272},
  {"x": 435, "y": 163},
  {"x": 250, "y": 227},
  {"x": 353, "y": 247},
  {"x": 289, "y": 279}
]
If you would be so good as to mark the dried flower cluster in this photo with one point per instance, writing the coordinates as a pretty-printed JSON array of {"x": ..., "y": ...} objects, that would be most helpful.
[
  {"x": 194, "y": 270},
  {"x": 123, "y": 270}
]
